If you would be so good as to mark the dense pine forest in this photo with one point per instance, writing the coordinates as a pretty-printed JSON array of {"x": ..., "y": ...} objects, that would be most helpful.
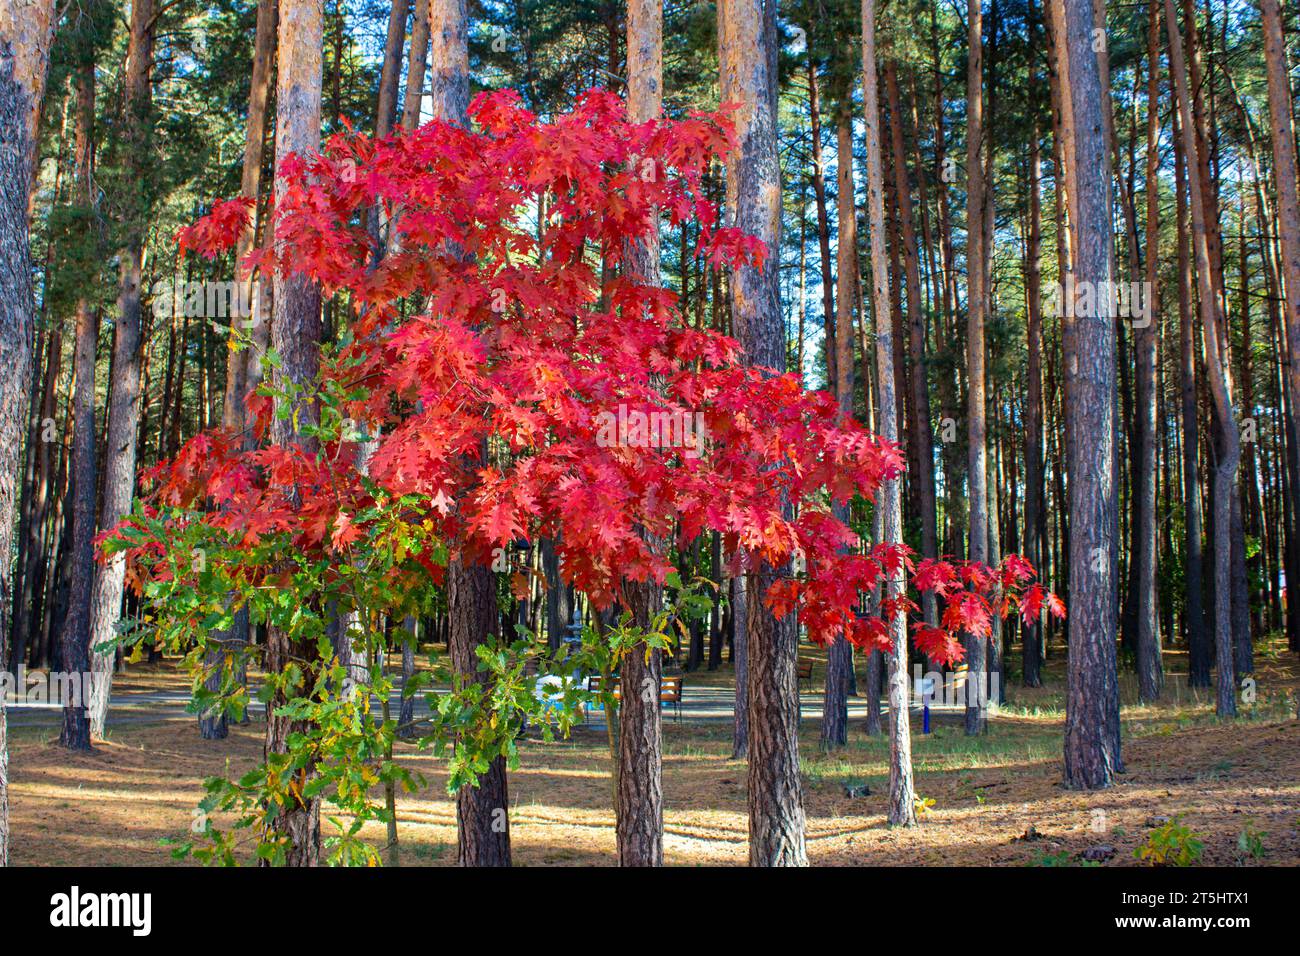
[{"x": 872, "y": 401}]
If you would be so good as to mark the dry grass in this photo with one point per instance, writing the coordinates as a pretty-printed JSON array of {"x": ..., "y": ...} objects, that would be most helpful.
[{"x": 113, "y": 806}]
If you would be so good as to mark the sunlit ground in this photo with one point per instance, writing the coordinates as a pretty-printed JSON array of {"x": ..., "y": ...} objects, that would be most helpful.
[{"x": 997, "y": 799}]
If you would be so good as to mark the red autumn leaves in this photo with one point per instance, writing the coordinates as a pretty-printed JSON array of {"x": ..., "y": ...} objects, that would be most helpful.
[{"x": 484, "y": 349}]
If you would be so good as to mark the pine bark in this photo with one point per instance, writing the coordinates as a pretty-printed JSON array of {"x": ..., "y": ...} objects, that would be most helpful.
[
  {"x": 386, "y": 103},
  {"x": 747, "y": 56},
  {"x": 1288, "y": 208},
  {"x": 1229, "y": 448},
  {"x": 739, "y": 627},
  {"x": 482, "y": 812},
  {"x": 26, "y": 32},
  {"x": 640, "y": 807},
  {"x": 1092, "y": 712},
  {"x": 823, "y": 223},
  {"x": 1032, "y": 634},
  {"x": 1150, "y": 666},
  {"x": 449, "y": 60},
  {"x": 74, "y": 639},
  {"x": 295, "y": 335},
  {"x": 418, "y": 60},
  {"x": 902, "y": 810},
  {"x": 922, "y": 432},
  {"x": 1198, "y": 650},
  {"x": 124, "y": 386},
  {"x": 976, "y": 302},
  {"x": 839, "y": 656},
  {"x": 640, "y": 813}
]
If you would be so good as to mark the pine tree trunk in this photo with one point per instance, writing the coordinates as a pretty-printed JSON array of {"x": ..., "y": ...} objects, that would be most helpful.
[
  {"x": 238, "y": 362},
  {"x": 640, "y": 806},
  {"x": 558, "y": 605},
  {"x": 295, "y": 335},
  {"x": 823, "y": 224},
  {"x": 976, "y": 302},
  {"x": 923, "y": 436},
  {"x": 419, "y": 57},
  {"x": 449, "y": 60},
  {"x": 1092, "y": 710},
  {"x": 1284, "y": 170},
  {"x": 902, "y": 810},
  {"x": 640, "y": 811},
  {"x": 74, "y": 639},
  {"x": 1198, "y": 649},
  {"x": 715, "y": 614},
  {"x": 839, "y": 656},
  {"x": 1150, "y": 666},
  {"x": 124, "y": 388},
  {"x": 390, "y": 71},
  {"x": 1031, "y": 633},
  {"x": 747, "y": 56},
  {"x": 482, "y": 812},
  {"x": 740, "y": 666},
  {"x": 1229, "y": 450},
  {"x": 26, "y": 31}
]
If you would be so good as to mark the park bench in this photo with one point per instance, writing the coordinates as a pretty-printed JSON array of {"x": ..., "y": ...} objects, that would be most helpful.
[{"x": 670, "y": 691}]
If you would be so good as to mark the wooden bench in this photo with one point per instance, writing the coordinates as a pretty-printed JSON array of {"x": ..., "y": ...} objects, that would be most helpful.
[
  {"x": 670, "y": 691},
  {"x": 805, "y": 670}
]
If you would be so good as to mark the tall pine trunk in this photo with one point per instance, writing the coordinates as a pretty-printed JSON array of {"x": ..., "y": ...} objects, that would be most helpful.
[
  {"x": 839, "y": 656},
  {"x": 902, "y": 809},
  {"x": 1229, "y": 447},
  {"x": 74, "y": 639},
  {"x": 1092, "y": 706},
  {"x": 923, "y": 435},
  {"x": 976, "y": 301},
  {"x": 1150, "y": 666},
  {"x": 390, "y": 71},
  {"x": 823, "y": 225},
  {"x": 1198, "y": 650},
  {"x": 124, "y": 386},
  {"x": 295, "y": 335},
  {"x": 1031, "y": 634},
  {"x": 26, "y": 31},
  {"x": 482, "y": 812},
  {"x": 1284, "y": 169},
  {"x": 418, "y": 61},
  {"x": 640, "y": 810},
  {"x": 747, "y": 56}
]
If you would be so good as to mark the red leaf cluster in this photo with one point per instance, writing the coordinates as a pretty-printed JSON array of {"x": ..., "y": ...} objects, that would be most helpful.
[{"x": 524, "y": 398}]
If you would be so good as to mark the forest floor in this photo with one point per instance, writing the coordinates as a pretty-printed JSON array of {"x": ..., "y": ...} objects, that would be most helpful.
[{"x": 997, "y": 798}]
